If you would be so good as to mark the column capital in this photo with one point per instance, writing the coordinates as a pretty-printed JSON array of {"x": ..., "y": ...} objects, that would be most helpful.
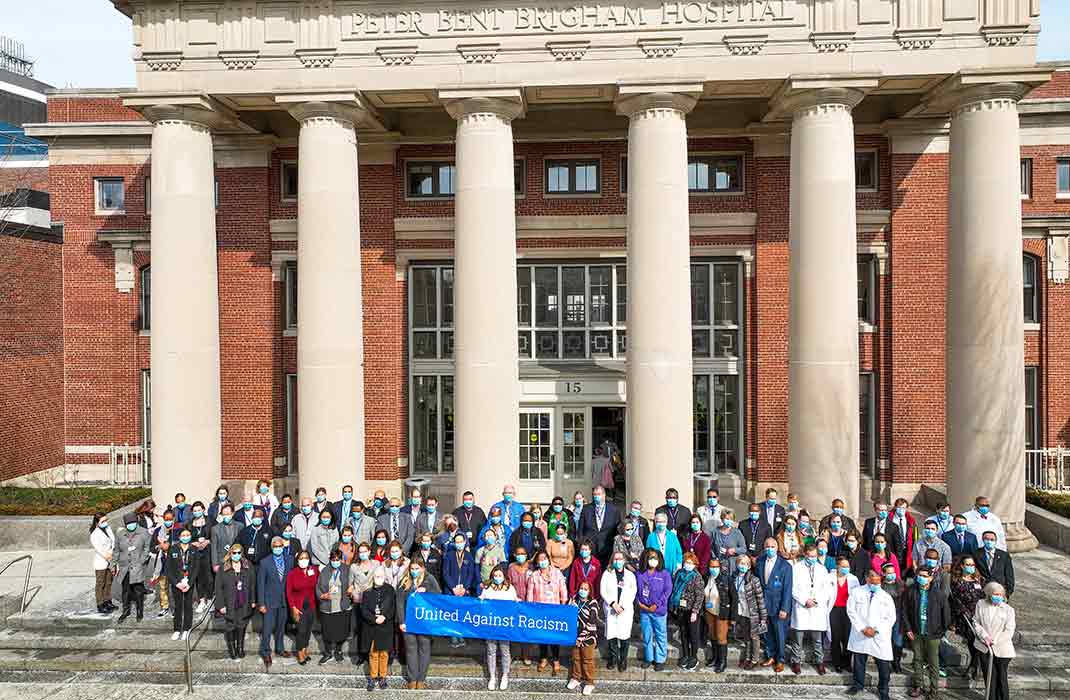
[
  {"x": 347, "y": 106},
  {"x": 506, "y": 103},
  {"x": 802, "y": 93},
  {"x": 193, "y": 108},
  {"x": 972, "y": 87},
  {"x": 635, "y": 98}
]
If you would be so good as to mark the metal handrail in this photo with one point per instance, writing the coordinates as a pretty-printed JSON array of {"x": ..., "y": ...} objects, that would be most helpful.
[
  {"x": 25, "y": 582},
  {"x": 189, "y": 650}
]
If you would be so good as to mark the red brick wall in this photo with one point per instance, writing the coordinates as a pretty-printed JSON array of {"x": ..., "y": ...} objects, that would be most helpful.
[
  {"x": 89, "y": 109},
  {"x": 31, "y": 356},
  {"x": 1058, "y": 86}
]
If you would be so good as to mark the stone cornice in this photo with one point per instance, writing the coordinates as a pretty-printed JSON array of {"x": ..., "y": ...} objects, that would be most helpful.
[
  {"x": 978, "y": 85},
  {"x": 681, "y": 96},
  {"x": 507, "y": 102},
  {"x": 347, "y": 105},
  {"x": 190, "y": 107},
  {"x": 802, "y": 92}
]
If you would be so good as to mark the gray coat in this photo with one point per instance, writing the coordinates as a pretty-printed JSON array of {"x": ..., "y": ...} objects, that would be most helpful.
[
  {"x": 222, "y": 537},
  {"x": 323, "y": 586},
  {"x": 320, "y": 545},
  {"x": 131, "y": 556}
]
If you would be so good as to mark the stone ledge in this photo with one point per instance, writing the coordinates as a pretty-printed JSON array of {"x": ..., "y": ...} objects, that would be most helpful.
[{"x": 1051, "y": 529}]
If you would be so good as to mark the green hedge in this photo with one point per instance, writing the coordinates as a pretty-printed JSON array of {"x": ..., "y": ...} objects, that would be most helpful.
[
  {"x": 67, "y": 501},
  {"x": 1058, "y": 503}
]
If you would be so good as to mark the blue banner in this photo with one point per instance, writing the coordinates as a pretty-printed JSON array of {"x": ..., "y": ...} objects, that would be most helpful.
[{"x": 455, "y": 616}]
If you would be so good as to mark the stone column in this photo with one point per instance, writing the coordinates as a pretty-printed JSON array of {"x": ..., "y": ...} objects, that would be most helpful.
[
  {"x": 985, "y": 334},
  {"x": 330, "y": 331},
  {"x": 486, "y": 392},
  {"x": 659, "y": 372},
  {"x": 823, "y": 429},
  {"x": 184, "y": 347}
]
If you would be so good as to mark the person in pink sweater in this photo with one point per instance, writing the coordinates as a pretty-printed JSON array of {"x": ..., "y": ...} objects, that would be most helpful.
[{"x": 547, "y": 585}]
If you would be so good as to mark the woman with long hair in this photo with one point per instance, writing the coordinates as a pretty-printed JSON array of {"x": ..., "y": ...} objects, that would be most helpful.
[
  {"x": 334, "y": 593},
  {"x": 547, "y": 585},
  {"x": 102, "y": 540},
  {"x": 378, "y": 609},
  {"x": 235, "y": 599},
  {"x": 301, "y": 598},
  {"x": 417, "y": 646}
]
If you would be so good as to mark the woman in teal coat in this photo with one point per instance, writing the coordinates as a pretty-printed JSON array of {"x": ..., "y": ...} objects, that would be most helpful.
[{"x": 665, "y": 541}]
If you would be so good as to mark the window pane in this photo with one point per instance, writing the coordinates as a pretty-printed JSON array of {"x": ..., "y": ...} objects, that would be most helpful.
[
  {"x": 702, "y": 423},
  {"x": 423, "y": 346},
  {"x": 447, "y": 344},
  {"x": 700, "y": 342},
  {"x": 726, "y": 343},
  {"x": 291, "y": 294},
  {"x": 864, "y": 291},
  {"x": 726, "y": 422},
  {"x": 1063, "y": 169},
  {"x": 546, "y": 345},
  {"x": 289, "y": 180},
  {"x": 523, "y": 342},
  {"x": 424, "y": 285},
  {"x": 111, "y": 194},
  {"x": 1026, "y": 176},
  {"x": 729, "y": 176},
  {"x": 622, "y": 343},
  {"x": 146, "y": 299},
  {"x": 447, "y": 297},
  {"x": 557, "y": 178},
  {"x": 700, "y": 294},
  {"x": 601, "y": 343},
  {"x": 1029, "y": 289},
  {"x": 523, "y": 296},
  {"x": 447, "y": 424},
  {"x": 574, "y": 345},
  {"x": 519, "y": 176},
  {"x": 587, "y": 177},
  {"x": 866, "y": 170},
  {"x": 546, "y": 315},
  {"x": 601, "y": 298},
  {"x": 698, "y": 176},
  {"x": 572, "y": 279},
  {"x": 574, "y": 437},
  {"x": 445, "y": 179},
  {"x": 1031, "y": 426},
  {"x": 421, "y": 180},
  {"x": 425, "y": 424},
  {"x": 622, "y": 294},
  {"x": 726, "y": 294},
  {"x": 865, "y": 388}
]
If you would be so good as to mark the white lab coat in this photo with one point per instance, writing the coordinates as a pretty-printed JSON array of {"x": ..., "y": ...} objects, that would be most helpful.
[
  {"x": 876, "y": 611},
  {"x": 103, "y": 542},
  {"x": 980, "y": 524},
  {"x": 823, "y": 590},
  {"x": 618, "y": 626}
]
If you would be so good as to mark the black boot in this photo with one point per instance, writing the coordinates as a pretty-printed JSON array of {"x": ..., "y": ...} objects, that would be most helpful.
[
  {"x": 622, "y": 655},
  {"x": 239, "y": 642},
  {"x": 897, "y": 659},
  {"x": 125, "y": 614},
  {"x": 139, "y": 606},
  {"x": 722, "y": 658},
  {"x": 711, "y": 655}
]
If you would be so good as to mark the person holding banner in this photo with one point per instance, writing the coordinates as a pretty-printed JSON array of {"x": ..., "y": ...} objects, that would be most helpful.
[
  {"x": 654, "y": 584},
  {"x": 417, "y": 646},
  {"x": 460, "y": 575},
  {"x": 582, "y": 670},
  {"x": 498, "y": 588},
  {"x": 378, "y": 608},
  {"x": 547, "y": 585},
  {"x": 618, "y": 590},
  {"x": 519, "y": 574}
]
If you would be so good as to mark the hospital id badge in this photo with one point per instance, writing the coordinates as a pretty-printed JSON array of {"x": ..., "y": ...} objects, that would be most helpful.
[
  {"x": 646, "y": 591},
  {"x": 252, "y": 550}
]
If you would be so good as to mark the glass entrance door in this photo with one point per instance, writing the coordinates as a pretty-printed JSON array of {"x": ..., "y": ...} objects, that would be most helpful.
[
  {"x": 575, "y": 472},
  {"x": 536, "y": 458}
]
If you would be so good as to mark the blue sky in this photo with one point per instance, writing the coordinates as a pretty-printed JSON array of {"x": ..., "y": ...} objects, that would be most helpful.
[{"x": 86, "y": 43}]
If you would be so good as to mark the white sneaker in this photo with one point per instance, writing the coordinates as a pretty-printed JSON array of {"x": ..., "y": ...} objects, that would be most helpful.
[
  {"x": 175, "y": 637},
  {"x": 492, "y": 684},
  {"x": 573, "y": 684},
  {"x": 185, "y": 635},
  {"x": 588, "y": 689},
  {"x": 505, "y": 683}
]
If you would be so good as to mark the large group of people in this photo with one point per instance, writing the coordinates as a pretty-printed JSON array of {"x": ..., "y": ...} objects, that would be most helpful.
[{"x": 774, "y": 580}]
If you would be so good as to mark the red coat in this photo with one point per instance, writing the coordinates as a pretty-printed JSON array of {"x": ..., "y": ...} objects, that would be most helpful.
[
  {"x": 699, "y": 544},
  {"x": 576, "y": 576},
  {"x": 301, "y": 587}
]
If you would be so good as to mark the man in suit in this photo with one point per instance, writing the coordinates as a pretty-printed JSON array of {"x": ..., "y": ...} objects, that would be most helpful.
[
  {"x": 414, "y": 506},
  {"x": 838, "y": 508},
  {"x": 678, "y": 516},
  {"x": 960, "y": 539},
  {"x": 635, "y": 515},
  {"x": 271, "y": 599},
  {"x": 398, "y": 525},
  {"x": 429, "y": 518},
  {"x": 755, "y": 530},
  {"x": 342, "y": 510},
  {"x": 772, "y": 512},
  {"x": 881, "y": 524},
  {"x": 598, "y": 523},
  {"x": 470, "y": 517},
  {"x": 776, "y": 576},
  {"x": 995, "y": 564}
]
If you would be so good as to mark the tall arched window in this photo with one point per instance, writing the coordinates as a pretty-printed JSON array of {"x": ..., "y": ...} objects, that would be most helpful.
[
  {"x": 145, "y": 299},
  {"x": 1030, "y": 292}
]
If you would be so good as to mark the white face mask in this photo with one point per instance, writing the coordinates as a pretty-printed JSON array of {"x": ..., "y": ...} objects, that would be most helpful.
[
  {"x": 653, "y": 563},
  {"x": 303, "y": 563}
]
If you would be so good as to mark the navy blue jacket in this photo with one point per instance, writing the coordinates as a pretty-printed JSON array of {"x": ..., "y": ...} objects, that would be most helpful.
[
  {"x": 777, "y": 589},
  {"x": 258, "y": 541},
  {"x": 467, "y": 574},
  {"x": 970, "y": 544},
  {"x": 270, "y": 589}
]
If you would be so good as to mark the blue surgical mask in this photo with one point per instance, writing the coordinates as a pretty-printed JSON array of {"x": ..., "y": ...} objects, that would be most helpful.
[
  {"x": 770, "y": 552},
  {"x": 727, "y": 522},
  {"x": 325, "y": 522},
  {"x": 788, "y": 527},
  {"x": 811, "y": 560},
  {"x": 771, "y": 501},
  {"x": 838, "y": 511},
  {"x": 695, "y": 527},
  {"x": 356, "y": 515},
  {"x": 660, "y": 527},
  {"x": 585, "y": 554},
  {"x": 459, "y": 546},
  {"x": 715, "y": 571},
  {"x": 248, "y": 507},
  {"x": 578, "y": 503},
  {"x": 131, "y": 526},
  {"x": 835, "y": 527},
  {"x": 890, "y": 578},
  {"x": 932, "y": 563},
  {"x": 521, "y": 558},
  {"x": 491, "y": 541},
  {"x": 468, "y": 503},
  {"x": 711, "y": 502},
  {"x": 222, "y": 497},
  {"x": 227, "y": 519},
  {"x": 425, "y": 546},
  {"x": 198, "y": 513},
  {"x": 544, "y": 564},
  {"x": 960, "y": 529},
  {"x": 879, "y": 546},
  {"x": 257, "y": 522},
  {"x": 742, "y": 568},
  {"x": 900, "y": 511},
  {"x": 527, "y": 524},
  {"x": 336, "y": 564},
  {"x": 415, "y": 573},
  {"x": 558, "y": 507},
  {"x": 996, "y": 600},
  {"x": 364, "y": 556},
  {"x": 969, "y": 570},
  {"x": 923, "y": 581},
  {"x": 930, "y": 534},
  {"x": 671, "y": 502},
  {"x": 414, "y": 501},
  {"x": 822, "y": 551},
  {"x": 431, "y": 509},
  {"x": 180, "y": 506},
  {"x": 597, "y": 499},
  {"x": 636, "y": 512},
  {"x": 287, "y": 506},
  {"x": 989, "y": 545},
  {"x": 874, "y": 587},
  {"x": 882, "y": 514},
  {"x": 844, "y": 570},
  {"x": 495, "y": 519},
  {"x": 394, "y": 510},
  {"x": 277, "y": 551},
  {"x": 618, "y": 565},
  {"x": 395, "y": 554},
  {"x": 945, "y": 515},
  {"x": 287, "y": 534},
  {"x": 347, "y": 538},
  {"x": 320, "y": 497},
  {"x": 582, "y": 593},
  {"x": 236, "y": 556},
  {"x": 508, "y": 497},
  {"x": 263, "y": 489},
  {"x": 381, "y": 541},
  {"x": 185, "y": 539},
  {"x": 754, "y": 516},
  {"x": 379, "y": 502},
  {"x": 306, "y": 510},
  {"x": 983, "y": 510}
]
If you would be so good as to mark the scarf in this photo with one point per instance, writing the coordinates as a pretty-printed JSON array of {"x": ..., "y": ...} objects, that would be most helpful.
[
  {"x": 682, "y": 579},
  {"x": 280, "y": 565}
]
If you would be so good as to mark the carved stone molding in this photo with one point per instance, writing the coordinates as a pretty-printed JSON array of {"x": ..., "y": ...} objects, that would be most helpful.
[
  {"x": 567, "y": 50},
  {"x": 478, "y": 53},
  {"x": 397, "y": 55},
  {"x": 832, "y": 42},
  {"x": 745, "y": 44},
  {"x": 239, "y": 60},
  {"x": 660, "y": 48},
  {"x": 162, "y": 60},
  {"x": 1008, "y": 35},
  {"x": 315, "y": 58},
  {"x": 916, "y": 39}
]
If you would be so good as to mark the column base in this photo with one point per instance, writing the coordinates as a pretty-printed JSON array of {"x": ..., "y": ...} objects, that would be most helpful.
[{"x": 1020, "y": 539}]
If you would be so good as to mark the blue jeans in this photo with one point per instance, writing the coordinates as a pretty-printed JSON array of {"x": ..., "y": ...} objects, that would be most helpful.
[
  {"x": 274, "y": 626},
  {"x": 775, "y": 638},
  {"x": 655, "y": 636}
]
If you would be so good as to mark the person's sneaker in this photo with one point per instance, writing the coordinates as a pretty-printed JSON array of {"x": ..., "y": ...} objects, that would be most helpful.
[
  {"x": 854, "y": 690},
  {"x": 324, "y": 659},
  {"x": 573, "y": 684},
  {"x": 163, "y": 613},
  {"x": 504, "y": 685},
  {"x": 588, "y": 689},
  {"x": 382, "y": 683},
  {"x": 176, "y": 636},
  {"x": 339, "y": 657},
  {"x": 492, "y": 684},
  {"x": 185, "y": 635},
  {"x": 659, "y": 667},
  {"x": 371, "y": 684}
]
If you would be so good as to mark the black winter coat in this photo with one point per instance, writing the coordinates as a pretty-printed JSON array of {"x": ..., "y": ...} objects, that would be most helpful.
[{"x": 383, "y": 597}]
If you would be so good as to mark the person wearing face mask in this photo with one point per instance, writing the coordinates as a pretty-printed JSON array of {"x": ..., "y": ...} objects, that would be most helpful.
[
  {"x": 264, "y": 499},
  {"x": 789, "y": 541},
  {"x": 489, "y": 556},
  {"x": 378, "y": 609},
  {"x": 892, "y": 584},
  {"x": 222, "y": 498},
  {"x": 470, "y": 517},
  {"x": 710, "y": 512},
  {"x": 398, "y": 525},
  {"x": 635, "y": 516},
  {"x": 839, "y": 623},
  {"x": 511, "y": 508},
  {"x": 334, "y": 592},
  {"x": 718, "y": 603},
  {"x": 775, "y": 574},
  {"x": 749, "y": 613},
  {"x": 160, "y": 543},
  {"x": 836, "y": 535},
  {"x": 379, "y": 544},
  {"x": 676, "y": 515},
  {"x": 967, "y": 587},
  {"x": 598, "y": 523},
  {"x": 181, "y": 509},
  {"x": 244, "y": 514},
  {"x": 181, "y": 570},
  {"x": 665, "y": 541},
  {"x": 823, "y": 557},
  {"x": 301, "y": 598},
  {"x": 131, "y": 560},
  {"x": 697, "y": 542},
  {"x": 527, "y": 536},
  {"x": 582, "y": 671},
  {"x": 396, "y": 565},
  {"x": 630, "y": 545},
  {"x": 861, "y": 560},
  {"x": 993, "y": 628},
  {"x": 576, "y": 512},
  {"x": 360, "y": 580},
  {"x": 881, "y": 524},
  {"x": 201, "y": 531},
  {"x": 428, "y": 519},
  {"x": 557, "y": 515},
  {"x": 320, "y": 503},
  {"x": 728, "y": 542},
  {"x": 812, "y": 592},
  {"x": 346, "y": 546},
  {"x": 806, "y": 530},
  {"x": 102, "y": 540},
  {"x": 414, "y": 506},
  {"x": 428, "y": 556},
  {"x": 224, "y": 534},
  {"x": 284, "y": 514},
  {"x": 547, "y": 585},
  {"x": 362, "y": 522},
  {"x": 519, "y": 574},
  {"x": 342, "y": 510},
  {"x": 838, "y": 509},
  {"x": 304, "y": 523},
  {"x": 907, "y": 533},
  {"x": 496, "y": 524},
  {"x": 772, "y": 512},
  {"x": 460, "y": 574},
  {"x": 685, "y": 604},
  {"x": 960, "y": 540},
  {"x": 256, "y": 538},
  {"x": 561, "y": 550},
  {"x": 881, "y": 556},
  {"x": 942, "y": 519},
  {"x": 995, "y": 564},
  {"x": 586, "y": 567},
  {"x": 271, "y": 578},
  {"x": 931, "y": 540},
  {"x": 235, "y": 599},
  {"x": 926, "y": 618},
  {"x": 323, "y": 540},
  {"x": 498, "y": 588},
  {"x": 755, "y": 530},
  {"x": 540, "y": 521},
  {"x": 980, "y": 519},
  {"x": 654, "y": 586},
  {"x": 871, "y": 612},
  {"x": 617, "y": 590},
  {"x": 417, "y": 646}
]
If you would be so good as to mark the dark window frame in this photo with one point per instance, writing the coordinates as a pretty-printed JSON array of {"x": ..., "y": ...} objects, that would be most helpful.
[
  {"x": 1025, "y": 174},
  {"x": 284, "y": 193},
  {"x": 572, "y": 164},
  {"x": 1031, "y": 309},
  {"x": 875, "y": 185},
  {"x": 145, "y": 298},
  {"x": 711, "y": 160},
  {"x": 437, "y": 166}
]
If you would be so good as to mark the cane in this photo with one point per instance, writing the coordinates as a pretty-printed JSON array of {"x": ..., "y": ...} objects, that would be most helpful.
[{"x": 988, "y": 676}]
